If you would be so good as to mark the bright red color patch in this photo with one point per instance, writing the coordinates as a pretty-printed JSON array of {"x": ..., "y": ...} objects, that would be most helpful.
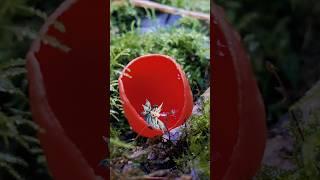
[
  {"x": 159, "y": 79},
  {"x": 68, "y": 91},
  {"x": 239, "y": 125}
]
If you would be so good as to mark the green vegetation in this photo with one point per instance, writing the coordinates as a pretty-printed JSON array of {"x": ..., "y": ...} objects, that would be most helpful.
[
  {"x": 20, "y": 154},
  {"x": 187, "y": 42},
  {"x": 284, "y": 33},
  {"x": 197, "y": 136},
  {"x": 307, "y": 141},
  {"x": 188, "y": 45}
]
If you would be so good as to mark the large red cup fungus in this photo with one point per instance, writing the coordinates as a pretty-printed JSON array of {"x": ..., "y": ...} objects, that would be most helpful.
[
  {"x": 239, "y": 129},
  {"x": 158, "y": 79},
  {"x": 68, "y": 90}
]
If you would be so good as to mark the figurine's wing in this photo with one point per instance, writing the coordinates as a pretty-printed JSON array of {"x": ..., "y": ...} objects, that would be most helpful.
[
  {"x": 148, "y": 104},
  {"x": 160, "y": 108},
  {"x": 145, "y": 109}
]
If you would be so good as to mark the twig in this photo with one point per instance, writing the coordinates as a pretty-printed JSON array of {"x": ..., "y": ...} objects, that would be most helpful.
[
  {"x": 294, "y": 117},
  {"x": 272, "y": 69},
  {"x": 170, "y": 10}
]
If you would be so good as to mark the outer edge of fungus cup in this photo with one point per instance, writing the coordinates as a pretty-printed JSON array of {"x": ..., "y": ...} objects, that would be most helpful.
[
  {"x": 62, "y": 87},
  {"x": 134, "y": 118},
  {"x": 239, "y": 124}
]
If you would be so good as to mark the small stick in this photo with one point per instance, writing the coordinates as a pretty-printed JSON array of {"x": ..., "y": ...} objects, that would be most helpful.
[
  {"x": 272, "y": 69},
  {"x": 170, "y": 10},
  {"x": 294, "y": 117}
]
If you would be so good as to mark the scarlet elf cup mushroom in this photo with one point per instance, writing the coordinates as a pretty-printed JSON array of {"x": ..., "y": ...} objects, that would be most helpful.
[
  {"x": 68, "y": 92},
  {"x": 158, "y": 82},
  {"x": 239, "y": 126}
]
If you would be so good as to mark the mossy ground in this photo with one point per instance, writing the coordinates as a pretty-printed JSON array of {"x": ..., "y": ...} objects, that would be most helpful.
[{"x": 188, "y": 42}]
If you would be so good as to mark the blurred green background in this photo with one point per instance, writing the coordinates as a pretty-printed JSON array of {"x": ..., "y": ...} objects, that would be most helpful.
[
  {"x": 20, "y": 153},
  {"x": 285, "y": 33},
  {"x": 283, "y": 42}
]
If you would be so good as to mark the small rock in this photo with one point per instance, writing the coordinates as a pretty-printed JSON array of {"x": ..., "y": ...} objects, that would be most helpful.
[{"x": 277, "y": 151}]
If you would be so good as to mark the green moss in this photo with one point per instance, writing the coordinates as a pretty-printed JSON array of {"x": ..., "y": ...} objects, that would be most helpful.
[
  {"x": 197, "y": 136},
  {"x": 188, "y": 44},
  {"x": 199, "y": 139},
  {"x": 305, "y": 129},
  {"x": 21, "y": 156}
]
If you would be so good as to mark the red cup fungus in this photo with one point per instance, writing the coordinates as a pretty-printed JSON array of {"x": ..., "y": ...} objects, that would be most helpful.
[
  {"x": 239, "y": 126},
  {"x": 68, "y": 91},
  {"x": 160, "y": 80}
]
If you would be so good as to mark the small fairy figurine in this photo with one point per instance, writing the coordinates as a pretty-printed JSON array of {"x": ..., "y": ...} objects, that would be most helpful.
[{"x": 151, "y": 116}]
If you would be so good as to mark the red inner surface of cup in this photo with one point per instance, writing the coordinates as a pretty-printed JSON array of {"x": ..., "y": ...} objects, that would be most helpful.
[{"x": 158, "y": 79}]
